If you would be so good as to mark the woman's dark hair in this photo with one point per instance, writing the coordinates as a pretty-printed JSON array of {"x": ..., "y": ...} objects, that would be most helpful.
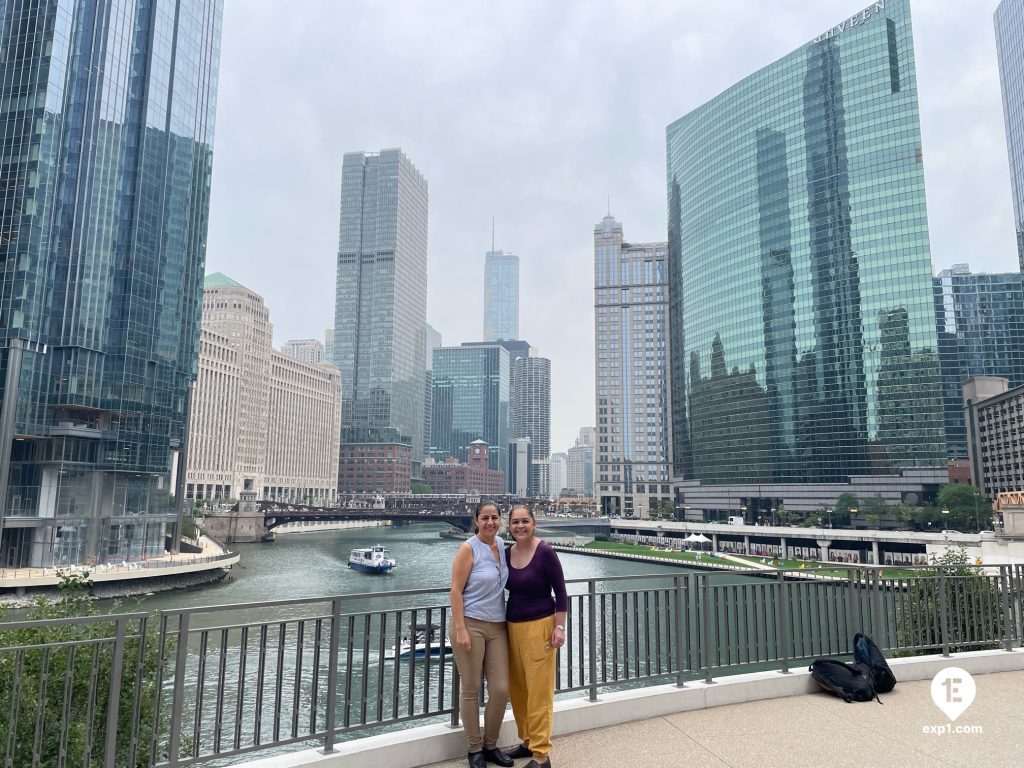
[
  {"x": 480, "y": 508},
  {"x": 521, "y": 506}
]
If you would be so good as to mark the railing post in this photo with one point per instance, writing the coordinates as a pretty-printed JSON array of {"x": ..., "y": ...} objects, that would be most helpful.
[
  {"x": 456, "y": 692},
  {"x": 332, "y": 675},
  {"x": 114, "y": 702},
  {"x": 943, "y": 611},
  {"x": 706, "y": 625},
  {"x": 178, "y": 700},
  {"x": 784, "y": 613},
  {"x": 680, "y": 650},
  {"x": 1005, "y": 583},
  {"x": 592, "y": 637}
]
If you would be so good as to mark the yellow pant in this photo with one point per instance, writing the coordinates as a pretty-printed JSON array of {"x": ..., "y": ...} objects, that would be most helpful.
[{"x": 531, "y": 681}]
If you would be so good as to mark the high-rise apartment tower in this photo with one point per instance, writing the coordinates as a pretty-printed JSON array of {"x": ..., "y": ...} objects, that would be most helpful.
[{"x": 631, "y": 317}]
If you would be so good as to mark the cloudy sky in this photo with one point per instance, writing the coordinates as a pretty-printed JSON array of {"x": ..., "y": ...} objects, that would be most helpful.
[{"x": 536, "y": 112}]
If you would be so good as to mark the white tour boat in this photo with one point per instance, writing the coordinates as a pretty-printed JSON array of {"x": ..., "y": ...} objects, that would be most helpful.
[{"x": 375, "y": 559}]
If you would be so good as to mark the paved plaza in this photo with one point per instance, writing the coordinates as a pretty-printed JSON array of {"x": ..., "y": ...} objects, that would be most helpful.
[{"x": 813, "y": 731}]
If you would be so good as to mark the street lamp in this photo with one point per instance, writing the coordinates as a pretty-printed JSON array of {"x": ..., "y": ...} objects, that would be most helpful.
[
  {"x": 977, "y": 518},
  {"x": 945, "y": 518}
]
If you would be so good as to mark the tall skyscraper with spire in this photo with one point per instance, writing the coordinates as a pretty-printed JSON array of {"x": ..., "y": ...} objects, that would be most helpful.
[
  {"x": 501, "y": 296},
  {"x": 107, "y": 113},
  {"x": 380, "y": 320}
]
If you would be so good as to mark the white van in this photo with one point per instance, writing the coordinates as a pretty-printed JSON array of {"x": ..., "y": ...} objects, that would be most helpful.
[{"x": 735, "y": 519}]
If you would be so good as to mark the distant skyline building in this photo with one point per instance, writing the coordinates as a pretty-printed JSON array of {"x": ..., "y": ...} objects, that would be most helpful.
[
  {"x": 558, "y": 475},
  {"x": 105, "y": 154},
  {"x": 993, "y": 413},
  {"x": 261, "y": 420},
  {"x": 520, "y": 463},
  {"x": 433, "y": 342},
  {"x": 501, "y": 296},
  {"x": 1009, "y": 25},
  {"x": 307, "y": 350},
  {"x": 631, "y": 330},
  {"x": 581, "y": 463},
  {"x": 380, "y": 313},
  {"x": 470, "y": 402},
  {"x": 530, "y": 411},
  {"x": 473, "y": 476},
  {"x": 804, "y": 353},
  {"x": 981, "y": 333}
]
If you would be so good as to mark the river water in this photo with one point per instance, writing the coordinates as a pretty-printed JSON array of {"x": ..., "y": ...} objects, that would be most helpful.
[{"x": 316, "y": 565}]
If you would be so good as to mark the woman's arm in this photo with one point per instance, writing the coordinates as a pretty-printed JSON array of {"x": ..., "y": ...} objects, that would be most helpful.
[
  {"x": 461, "y": 567},
  {"x": 556, "y": 578}
]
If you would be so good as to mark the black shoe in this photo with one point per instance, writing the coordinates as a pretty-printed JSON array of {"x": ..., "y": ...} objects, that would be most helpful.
[
  {"x": 476, "y": 760},
  {"x": 520, "y": 751},
  {"x": 498, "y": 757},
  {"x": 535, "y": 764}
]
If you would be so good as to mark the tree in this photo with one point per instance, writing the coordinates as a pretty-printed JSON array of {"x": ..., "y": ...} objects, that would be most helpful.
[
  {"x": 418, "y": 487},
  {"x": 972, "y": 602},
  {"x": 845, "y": 505},
  {"x": 874, "y": 509},
  {"x": 966, "y": 505},
  {"x": 69, "y": 653}
]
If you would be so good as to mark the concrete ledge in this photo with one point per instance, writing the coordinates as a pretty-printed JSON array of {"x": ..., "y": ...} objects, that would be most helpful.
[{"x": 427, "y": 744}]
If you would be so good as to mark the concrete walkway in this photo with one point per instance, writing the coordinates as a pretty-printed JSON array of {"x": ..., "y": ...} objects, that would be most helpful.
[{"x": 812, "y": 731}]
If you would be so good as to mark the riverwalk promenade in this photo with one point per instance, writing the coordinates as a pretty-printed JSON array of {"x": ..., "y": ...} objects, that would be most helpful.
[
  {"x": 811, "y": 731},
  {"x": 211, "y": 556}
]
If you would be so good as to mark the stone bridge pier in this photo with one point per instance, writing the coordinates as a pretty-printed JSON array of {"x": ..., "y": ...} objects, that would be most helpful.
[{"x": 244, "y": 524}]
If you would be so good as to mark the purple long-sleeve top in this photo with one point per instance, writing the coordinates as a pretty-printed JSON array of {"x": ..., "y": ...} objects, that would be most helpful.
[{"x": 530, "y": 589}]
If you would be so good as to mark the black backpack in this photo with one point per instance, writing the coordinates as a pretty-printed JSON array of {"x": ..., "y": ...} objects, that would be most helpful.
[
  {"x": 866, "y": 652},
  {"x": 850, "y": 682}
]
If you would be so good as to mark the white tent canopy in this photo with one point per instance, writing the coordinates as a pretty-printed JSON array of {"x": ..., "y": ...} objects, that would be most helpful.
[{"x": 697, "y": 537}]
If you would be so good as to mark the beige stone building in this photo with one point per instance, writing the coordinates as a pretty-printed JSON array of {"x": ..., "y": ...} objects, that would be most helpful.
[{"x": 260, "y": 420}]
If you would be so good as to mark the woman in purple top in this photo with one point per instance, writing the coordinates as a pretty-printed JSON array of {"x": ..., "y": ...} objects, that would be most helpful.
[{"x": 535, "y": 613}]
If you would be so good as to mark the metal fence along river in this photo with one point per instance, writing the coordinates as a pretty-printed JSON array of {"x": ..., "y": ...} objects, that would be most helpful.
[{"x": 190, "y": 685}]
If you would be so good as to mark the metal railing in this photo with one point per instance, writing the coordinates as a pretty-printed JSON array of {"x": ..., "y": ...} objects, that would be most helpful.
[{"x": 196, "y": 684}]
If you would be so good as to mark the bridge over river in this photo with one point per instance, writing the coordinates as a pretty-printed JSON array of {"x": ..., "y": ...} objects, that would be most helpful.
[{"x": 252, "y": 520}]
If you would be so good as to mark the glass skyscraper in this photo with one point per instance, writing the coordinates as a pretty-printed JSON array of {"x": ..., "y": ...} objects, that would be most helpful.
[
  {"x": 981, "y": 333},
  {"x": 380, "y": 316},
  {"x": 107, "y": 114},
  {"x": 470, "y": 402},
  {"x": 501, "y": 296},
  {"x": 1009, "y": 24},
  {"x": 804, "y": 350}
]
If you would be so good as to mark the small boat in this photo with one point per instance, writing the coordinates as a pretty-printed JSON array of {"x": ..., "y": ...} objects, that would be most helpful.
[
  {"x": 375, "y": 559},
  {"x": 455, "y": 533},
  {"x": 428, "y": 640}
]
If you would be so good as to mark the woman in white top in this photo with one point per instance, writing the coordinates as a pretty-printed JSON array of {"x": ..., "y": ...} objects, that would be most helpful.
[{"x": 480, "y": 639}]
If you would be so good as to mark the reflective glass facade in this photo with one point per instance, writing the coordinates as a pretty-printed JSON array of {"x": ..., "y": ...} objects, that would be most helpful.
[
  {"x": 1009, "y": 23},
  {"x": 106, "y": 126},
  {"x": 801, "y": 307},
  {"x": 470, "y": 402},
  {"x": 380, "y": 316},
  {"x": 981, "y": 333},
  {"x": 501, "y": 296}
]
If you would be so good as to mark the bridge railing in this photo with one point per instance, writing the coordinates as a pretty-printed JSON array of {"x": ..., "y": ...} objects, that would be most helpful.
[{"x": 200, "y": 684}]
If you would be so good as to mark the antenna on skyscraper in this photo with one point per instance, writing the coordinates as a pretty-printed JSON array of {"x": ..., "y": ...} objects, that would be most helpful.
[
  {"x": 492, "y": 233},
  {"x": 609, "y": 205}
]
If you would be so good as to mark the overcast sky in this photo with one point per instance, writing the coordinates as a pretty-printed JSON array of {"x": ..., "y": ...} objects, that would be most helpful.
[{"x": 536, "y": 112}]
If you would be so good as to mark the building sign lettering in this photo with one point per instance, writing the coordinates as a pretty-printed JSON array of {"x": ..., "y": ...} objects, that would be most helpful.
[{"x": 854, "y": 21}]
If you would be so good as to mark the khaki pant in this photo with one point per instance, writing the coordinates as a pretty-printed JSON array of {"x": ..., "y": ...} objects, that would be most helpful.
[
  {"x": 531, "y": 672},
  {"x": 488, "y": 655}
]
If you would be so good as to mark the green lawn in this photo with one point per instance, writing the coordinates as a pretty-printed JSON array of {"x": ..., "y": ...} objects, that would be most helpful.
[{"x": 830, "y": 569}]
